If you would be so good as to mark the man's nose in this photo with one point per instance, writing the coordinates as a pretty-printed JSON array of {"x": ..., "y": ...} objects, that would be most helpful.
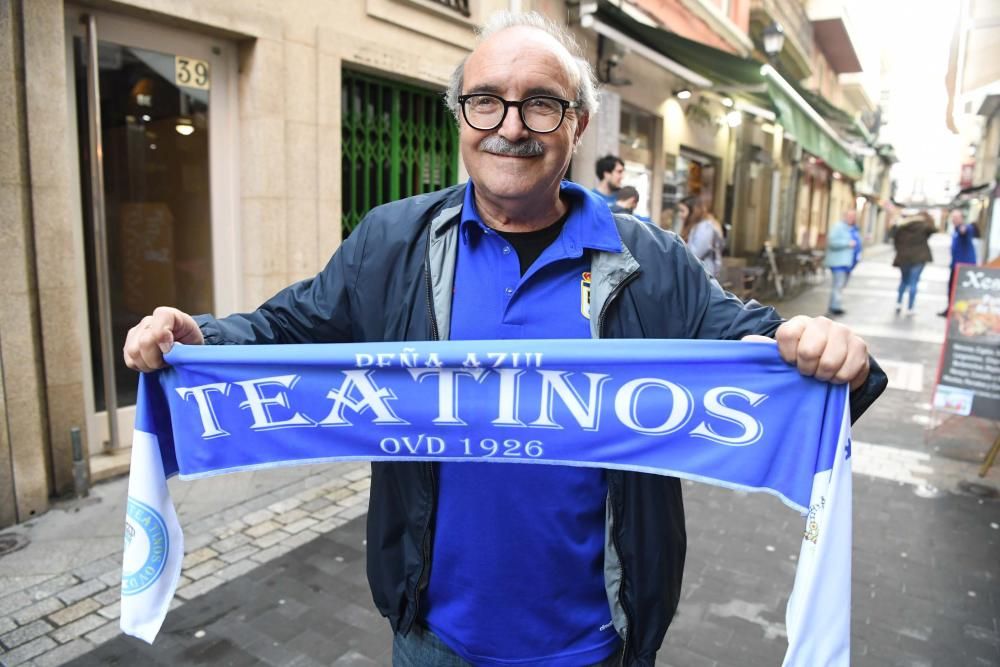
[{"x": 512, "y": 129}]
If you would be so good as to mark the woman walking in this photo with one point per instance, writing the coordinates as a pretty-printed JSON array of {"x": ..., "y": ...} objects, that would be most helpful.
[
  {"x": 703, "y": 234},
  {"x": 912, "y": 252}
]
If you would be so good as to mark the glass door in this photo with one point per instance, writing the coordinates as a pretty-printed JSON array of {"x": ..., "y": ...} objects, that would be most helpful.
[{"x": 146, "y": 116}]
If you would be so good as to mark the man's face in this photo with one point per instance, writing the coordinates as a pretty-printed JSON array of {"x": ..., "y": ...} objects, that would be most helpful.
[
  {"x": 851, "y": 216},
  {"x": 516, "y": 63},
  {"x": 957, "y": 218},
  {"x": 614, "y": 177}
]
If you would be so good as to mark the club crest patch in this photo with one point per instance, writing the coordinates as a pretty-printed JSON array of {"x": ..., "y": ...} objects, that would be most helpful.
[
  {"x": 585, "y": 295},
  {"x": 146, "y": 547}
]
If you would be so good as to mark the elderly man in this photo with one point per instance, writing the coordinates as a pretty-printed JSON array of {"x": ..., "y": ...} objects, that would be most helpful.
[{"x": 518, "y": 564}]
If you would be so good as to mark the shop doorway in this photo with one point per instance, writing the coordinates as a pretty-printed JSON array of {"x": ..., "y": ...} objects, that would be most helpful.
[{"x": 153, "y": 129}]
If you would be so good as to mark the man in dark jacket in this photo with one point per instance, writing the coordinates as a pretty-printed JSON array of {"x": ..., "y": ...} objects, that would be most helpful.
[{"x": 518, "y": 564}]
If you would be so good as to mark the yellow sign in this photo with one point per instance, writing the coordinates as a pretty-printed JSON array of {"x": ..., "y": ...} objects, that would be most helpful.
[{"x": 192, "y": 73}]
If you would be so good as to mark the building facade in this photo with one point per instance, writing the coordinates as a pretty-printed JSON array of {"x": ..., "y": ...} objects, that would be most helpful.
[{"x": 207, "y": 153}]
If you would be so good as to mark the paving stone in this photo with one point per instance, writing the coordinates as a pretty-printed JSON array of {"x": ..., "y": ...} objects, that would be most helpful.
[
  {"x": 236, "y": 570},
  {"x": 97, "y": 568},
  {"x": 242, "y": 553},
  {"x": 291, "y": 516},
  {"x": 361, "y": 484},
  {"x": 80, "y": 591},
  {"x": 111, "y": 611},
  {"x": 230, "y": 543},
  {"x": 329, "y": 524},
  {"x": 272, "y": 538},
  {"x": 270, "y": 553},
  {"x": 72, "y": 613},
  {"x": 262, "y": 528},
  {"x": 63, "y": 654},
  {"x": 112, "y": 577},
  {"x": 109, "y": 596},
  {"x": 300, "y": 538},
  {"x": 328, "y": 512},
  {"x": 301, "y": 525},
  {"x": 315, "y": 504},
  {"x": 352, "y": 500},
  {"x": 13, "y": 602},
  {"x": 354, "y": 512},
  {"x": 38, "y": 610},
  {"x": 25, "y": 634},
  {"x": 194, "y": 540},
  {"x": 105, "y": 633},
  {"x": 52, "y": 586},
  {"x": 199, "y": 587},
  {"x": 6, "y": 624},
  {"x": 198, "y": 556},
  {"x": 13, "y": 584},
  {"x": 338, "y": 493},
  {"x": 78, "y": 628},
  {"x": 205, "y": 569},
  {"x": 360, "y": 473},
  {"x": 285, "y": 505},
  {"x": 258, "y": 516},
  {"x": 26, "y": 652}
]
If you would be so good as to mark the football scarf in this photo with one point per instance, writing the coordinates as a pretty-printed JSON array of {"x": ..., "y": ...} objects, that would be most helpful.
[{"x": 727, "y": 413}]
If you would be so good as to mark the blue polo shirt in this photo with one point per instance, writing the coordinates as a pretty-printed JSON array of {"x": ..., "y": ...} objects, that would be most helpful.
[{"x": 517, "y": 574}]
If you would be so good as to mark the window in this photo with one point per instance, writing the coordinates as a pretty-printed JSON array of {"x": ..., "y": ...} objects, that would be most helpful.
[{"x": 397, "y": 141}]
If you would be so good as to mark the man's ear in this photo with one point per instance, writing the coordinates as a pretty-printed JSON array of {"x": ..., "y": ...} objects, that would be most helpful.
[{"x": 581, "y": 125}]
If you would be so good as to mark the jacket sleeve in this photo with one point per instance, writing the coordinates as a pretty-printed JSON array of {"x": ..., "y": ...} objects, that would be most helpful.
[{"x": 315, "y": 310}]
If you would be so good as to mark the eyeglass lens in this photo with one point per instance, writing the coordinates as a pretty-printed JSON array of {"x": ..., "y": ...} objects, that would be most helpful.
[{"x": 539, "y": 114}]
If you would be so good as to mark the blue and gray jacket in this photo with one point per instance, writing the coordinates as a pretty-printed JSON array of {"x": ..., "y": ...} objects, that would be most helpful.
[{"x": 392, "y": 280}]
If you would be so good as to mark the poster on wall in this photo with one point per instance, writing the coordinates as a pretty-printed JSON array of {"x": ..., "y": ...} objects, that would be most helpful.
[{"x": 968, "y": 380}]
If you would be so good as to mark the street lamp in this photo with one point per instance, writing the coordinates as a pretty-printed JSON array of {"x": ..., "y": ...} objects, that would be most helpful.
[{"x": 774, "y": 40}]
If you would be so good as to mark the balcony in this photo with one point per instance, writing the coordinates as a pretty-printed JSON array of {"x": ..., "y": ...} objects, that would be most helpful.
[
  {"x": 796, "y": 58},
  {"x": 833, "y": 34}
]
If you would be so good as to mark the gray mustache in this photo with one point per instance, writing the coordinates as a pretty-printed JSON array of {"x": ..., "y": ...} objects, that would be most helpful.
[{"x": 500, "y": 146}]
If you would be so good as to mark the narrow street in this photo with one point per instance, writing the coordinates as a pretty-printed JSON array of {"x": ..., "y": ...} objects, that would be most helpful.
[{"x": 278, "y": 576}]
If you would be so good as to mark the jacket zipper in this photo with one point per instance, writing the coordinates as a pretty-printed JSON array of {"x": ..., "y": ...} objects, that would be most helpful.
[
  {"x": 614, "y": 536},
  {"x": 426, "y": 539}
]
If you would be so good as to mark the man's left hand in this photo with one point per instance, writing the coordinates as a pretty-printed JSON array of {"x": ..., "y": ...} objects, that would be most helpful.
[{"x": 823, "y": 349}]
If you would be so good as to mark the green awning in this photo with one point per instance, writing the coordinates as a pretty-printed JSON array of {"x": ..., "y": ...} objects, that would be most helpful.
[{"x": 740, "y": 77}]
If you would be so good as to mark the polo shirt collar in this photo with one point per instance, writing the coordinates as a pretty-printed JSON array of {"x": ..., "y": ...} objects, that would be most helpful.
[{"x": 590, "y": 223}]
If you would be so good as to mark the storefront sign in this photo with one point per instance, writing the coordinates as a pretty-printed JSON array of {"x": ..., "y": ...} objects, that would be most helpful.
[{"x": 969, "y": 376}]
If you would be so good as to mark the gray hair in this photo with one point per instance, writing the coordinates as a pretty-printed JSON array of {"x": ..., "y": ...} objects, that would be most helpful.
[{"x": 579, "y": 70}]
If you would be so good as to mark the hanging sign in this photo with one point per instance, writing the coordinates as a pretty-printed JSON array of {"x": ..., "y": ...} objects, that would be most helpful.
[
  {"x": 969, "y": 376},
  {"x": 192, "y": 73}
]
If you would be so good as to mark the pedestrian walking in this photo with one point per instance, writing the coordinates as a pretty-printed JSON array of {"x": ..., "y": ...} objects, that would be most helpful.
[
  {"x": 963, "y": 250},
  {"x": 912, "y": 252},
  {"x": 704, "y": 235},
  {"x": 610, "y": 171},
  {"x": 840, "y": 258},
  {"x": 858, "y": 246},
  {"x": 498, "y": 564}
]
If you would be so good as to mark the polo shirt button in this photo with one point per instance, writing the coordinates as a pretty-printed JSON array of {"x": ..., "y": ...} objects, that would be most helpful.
[
  {"x": 506, "y": 250},
  {"x": 509, "y": 291}
]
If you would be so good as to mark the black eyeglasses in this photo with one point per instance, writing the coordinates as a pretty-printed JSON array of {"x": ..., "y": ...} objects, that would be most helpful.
[{"x": 539, "y": 113}]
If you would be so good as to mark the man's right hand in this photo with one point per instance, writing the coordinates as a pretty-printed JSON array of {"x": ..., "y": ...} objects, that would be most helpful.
[{"x": 153, "y": 337}]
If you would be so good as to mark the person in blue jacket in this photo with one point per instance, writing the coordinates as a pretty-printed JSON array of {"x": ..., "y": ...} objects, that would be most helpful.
[
  {"x": 518, "y": 565},
  {"x": 963, "y": 250},
  {"x": 841, "y": 256}
]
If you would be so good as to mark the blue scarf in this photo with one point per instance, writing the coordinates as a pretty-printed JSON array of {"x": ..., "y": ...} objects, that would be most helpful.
[{"x": 731, "y": 414}]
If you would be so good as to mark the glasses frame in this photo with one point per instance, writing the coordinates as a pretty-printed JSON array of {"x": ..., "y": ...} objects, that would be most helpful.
[{"x": 507, "y": 104}]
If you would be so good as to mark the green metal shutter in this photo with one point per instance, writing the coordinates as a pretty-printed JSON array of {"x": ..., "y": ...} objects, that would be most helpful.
[{"x": 396, "y": 141}]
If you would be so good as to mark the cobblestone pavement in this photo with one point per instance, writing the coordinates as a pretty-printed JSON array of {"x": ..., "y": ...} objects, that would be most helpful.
[{"x": 277, "y": 577}]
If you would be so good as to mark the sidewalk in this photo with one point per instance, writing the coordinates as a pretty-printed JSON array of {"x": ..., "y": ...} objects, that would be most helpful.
[{"x": 274, "y": 573}]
